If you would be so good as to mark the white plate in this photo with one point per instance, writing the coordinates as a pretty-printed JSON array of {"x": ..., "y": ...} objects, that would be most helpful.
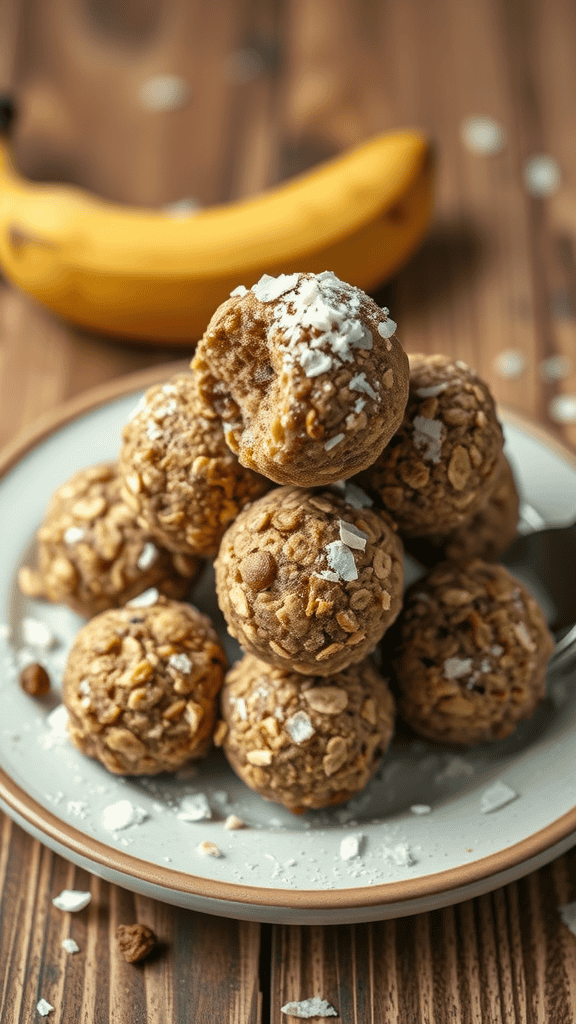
[{"x": 280, "y": 868}]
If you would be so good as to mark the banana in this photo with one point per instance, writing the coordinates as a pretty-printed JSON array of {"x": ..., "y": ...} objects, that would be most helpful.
[{"x": 144, "y": 275}]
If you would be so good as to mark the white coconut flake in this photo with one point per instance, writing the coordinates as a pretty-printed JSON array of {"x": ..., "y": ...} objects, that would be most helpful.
[
  {"x": 208, "y": 849},
  {"x": 351, "y": 536},
  {"x": 341, "y": 560},
  {"x": 44, "y": 1007},
  {"x": 496, "y": 796},
  {"x": 387, "y": 327},
  {"x": 36, "y": 634},
  {"x": 121, "y": 815},
  {"x": 73, "y": 534},
  {"x": 194, "y": 808},
  {"x": 428, "y": 436},
  {"x": 147, "y": 556},
  {"x": 333, "y": 441},
  {"x": 401, "y": 854},
  {"x": 555, "y": 368},
  {"x": 359, "y": 405},
  {"x": 359, "y": 383},
  {"x": 239, "y": 291},
  {"x": 541, "y": 175},
  {"x": 70, "y": 945},
  {"x": 420, "y": 808},
  {"x": 455, "y": 668},
  {"x": 433, "y": 391},
  {"x": 72, "y": 900},
  {"x": 56, "y": 723},
  {"x": 314, "y": 362},
  {"x": 509, "y": 363},
  {"x": 164, "y": 92},
  {"x": 268, "y": 288},
  {"x": 299, "y": 727},
  {"x": 350, "y": 846},
  {"x": 153, "y": 431},
  {"x": 327, "y": 574},
  {"x": 240, "y": 706},
  {"x": 568, "y": 915},
  {"x": 497, "y": 650},
  {"x": 562, "y": 408},
  {"x": 144, "y": 600},
  {"x": 180, "y": 662},
  {"x": 354, "y": 495},
  {"x": 142, "y": 403},
  {"x": 482, "y": 135},
  {"x": 314, "y": 1007}
]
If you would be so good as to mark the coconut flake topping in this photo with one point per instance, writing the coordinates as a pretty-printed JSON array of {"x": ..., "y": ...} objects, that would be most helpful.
[
  {"x": 428, "y": 436},
  {"x": 299, "y": 727},
  {"x": 352, "y": 536},
  {"x": 341, "y": 560}
]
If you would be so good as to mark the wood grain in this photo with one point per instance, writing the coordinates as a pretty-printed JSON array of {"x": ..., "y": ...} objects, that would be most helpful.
[{"x": 274, "y": 88}]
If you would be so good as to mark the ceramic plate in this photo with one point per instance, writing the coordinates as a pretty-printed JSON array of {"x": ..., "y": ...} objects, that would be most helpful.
[{"x": 279, "y": 868}]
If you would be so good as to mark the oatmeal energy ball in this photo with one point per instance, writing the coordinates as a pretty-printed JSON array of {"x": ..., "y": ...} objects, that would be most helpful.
[
  {"x": 310, "y": 580},
  {"x": 486, "y": 535},
  {"x": 141, "y": 686},
  {"x": 307, "y": 376},
  {"x": 473, "y": 653},
  {"x": 181, "y": 480},
  {"x": 92, "y": 555},
  {"x": 305, "y": 741},
  {"x": 443, "y": 463}
]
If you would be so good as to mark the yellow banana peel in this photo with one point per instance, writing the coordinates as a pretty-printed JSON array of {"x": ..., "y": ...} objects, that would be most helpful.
[{"x": 143, "y": 274}]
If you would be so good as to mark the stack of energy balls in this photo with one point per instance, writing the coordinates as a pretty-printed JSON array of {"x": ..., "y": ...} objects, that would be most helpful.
[{"x": 303, "y": 451}]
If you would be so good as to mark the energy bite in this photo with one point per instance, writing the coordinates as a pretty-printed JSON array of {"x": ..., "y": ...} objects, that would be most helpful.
[
  {"x": 92, "y": 555},
  {"x": 308, "y": 582},
  {"x": 305, "y": 742},
  {"x": 473, "y": 652},
  {"x": 307, "y": 376},
  {"x": 443, "y": 463},
  {"x": 181, "y": 480},
  {"x": 141, "y": 686},
  {"x": 487, "y": 535}
]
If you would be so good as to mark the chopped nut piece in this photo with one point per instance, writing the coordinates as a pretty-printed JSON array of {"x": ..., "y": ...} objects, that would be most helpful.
[
  {"x": 136, "y": 941},
  {"x": 35, "y": 680}
]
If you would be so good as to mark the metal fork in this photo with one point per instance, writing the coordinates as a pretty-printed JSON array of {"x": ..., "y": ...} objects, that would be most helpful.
[{"x": 545, "y": 558}]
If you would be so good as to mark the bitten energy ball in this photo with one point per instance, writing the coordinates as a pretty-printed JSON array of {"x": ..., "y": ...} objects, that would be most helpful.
[
  {"x": 180, "y": 478},
  {"x": 487, "y": 535},
  {"x": 305, "y": 742},
  {"x": 141, "y": 686},
  {"x": 307, "y": 376},
  {"x": 473, "y": 653},
  {"x": 443, "y": 463},
  {"x": 308, "y": 582},
  {"x": 92, "y": 555}
]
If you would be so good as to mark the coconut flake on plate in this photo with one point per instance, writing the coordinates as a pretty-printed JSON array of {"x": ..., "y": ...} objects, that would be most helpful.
[
  {"x": 194, "y": 807},
  {"x": 496, "y": 796},
  {"x": 121, "y": 815}
]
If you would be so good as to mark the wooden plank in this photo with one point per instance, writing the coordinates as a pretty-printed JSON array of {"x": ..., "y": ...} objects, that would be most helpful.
[{"x": 205, "y": 969}]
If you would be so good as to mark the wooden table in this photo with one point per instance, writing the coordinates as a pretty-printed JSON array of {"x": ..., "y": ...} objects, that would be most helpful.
[{"x": 275, "y": 87}]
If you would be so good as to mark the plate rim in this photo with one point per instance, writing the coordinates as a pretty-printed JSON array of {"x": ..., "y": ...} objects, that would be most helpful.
[{"x": 112, "y": 859}]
